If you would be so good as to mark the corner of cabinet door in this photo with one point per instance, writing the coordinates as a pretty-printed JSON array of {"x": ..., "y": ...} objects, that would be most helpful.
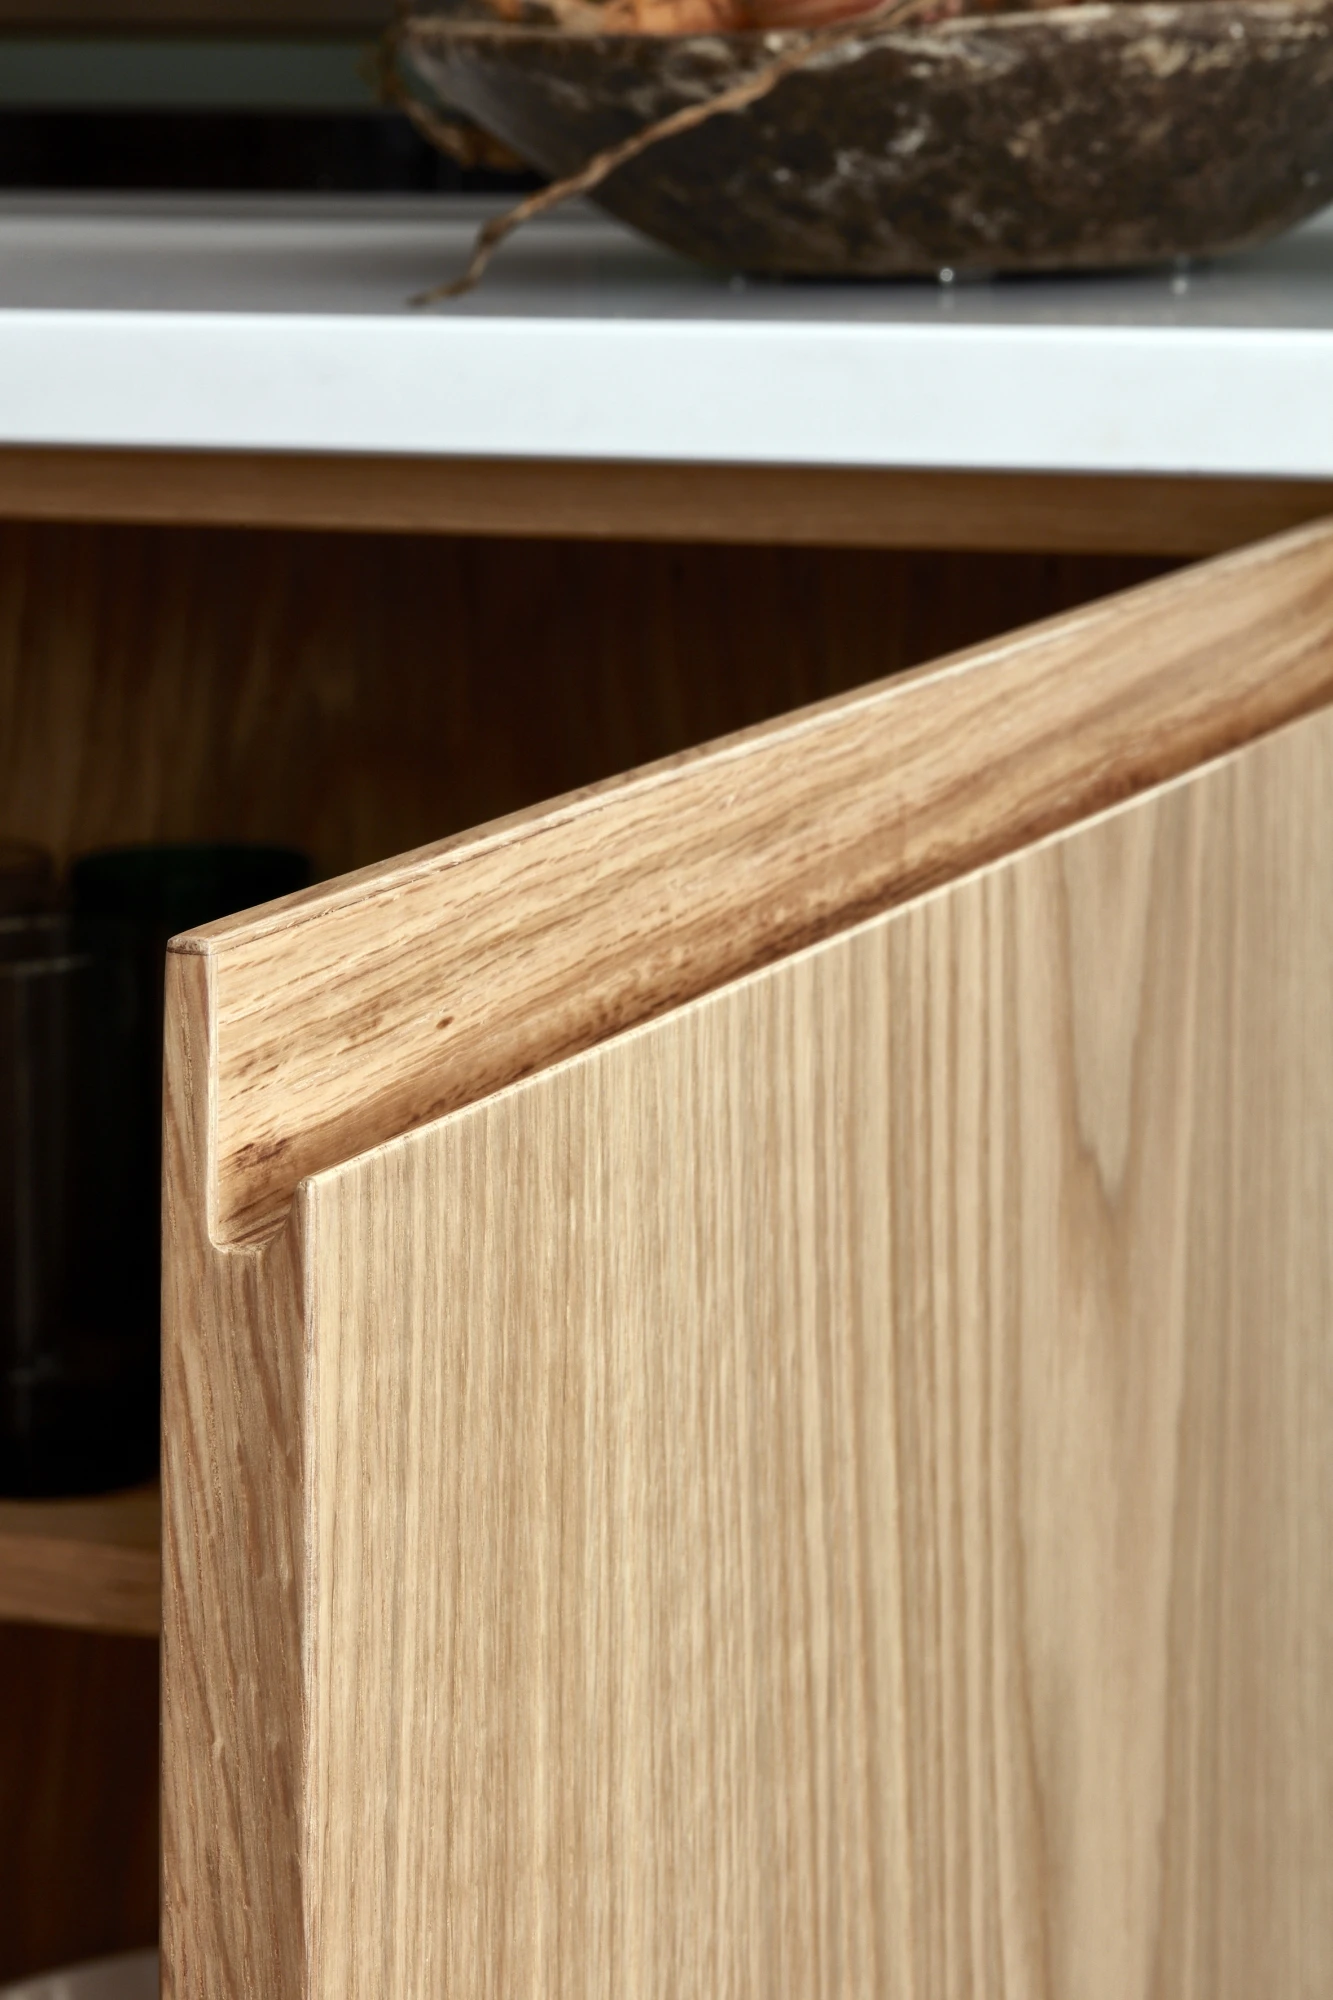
[{"x": 484, "y": 1242}]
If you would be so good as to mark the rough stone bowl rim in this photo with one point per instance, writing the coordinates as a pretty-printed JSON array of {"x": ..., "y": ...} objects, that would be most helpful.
[{"x": 442, "y": 26}]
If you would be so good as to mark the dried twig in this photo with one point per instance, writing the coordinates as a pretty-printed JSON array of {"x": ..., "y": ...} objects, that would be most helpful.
[{"x": 890, "y": 14}]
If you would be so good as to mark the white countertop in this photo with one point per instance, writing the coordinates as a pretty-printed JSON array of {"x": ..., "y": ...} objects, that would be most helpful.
[{"x": 285, "y": 324}]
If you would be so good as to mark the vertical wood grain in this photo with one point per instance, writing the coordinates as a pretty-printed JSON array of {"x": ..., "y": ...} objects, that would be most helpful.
[
  {"x": 832, "y": 1492},
  {"x": 233, "y": 1437},
  {"x": 78, "y": 1796}
]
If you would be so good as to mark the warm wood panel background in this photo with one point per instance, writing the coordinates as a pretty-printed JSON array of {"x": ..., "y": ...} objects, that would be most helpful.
[
  {"x": 833, "y": 1493},
  {"x": 360, "y": 695},
  {"x": 78, "y": 1796}
]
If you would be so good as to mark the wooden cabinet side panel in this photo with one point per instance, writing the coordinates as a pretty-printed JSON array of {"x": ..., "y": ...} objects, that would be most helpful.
[
  {"x": 233, "y": 1716},
  {"x": 832, "y": 1492}
]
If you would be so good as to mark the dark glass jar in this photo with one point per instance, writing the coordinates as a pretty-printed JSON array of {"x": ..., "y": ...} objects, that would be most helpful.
[
  {"x": 78, "y": 1349},
  {"x": 80, "y": 1129},
  {"x": 161, "y": 890}
]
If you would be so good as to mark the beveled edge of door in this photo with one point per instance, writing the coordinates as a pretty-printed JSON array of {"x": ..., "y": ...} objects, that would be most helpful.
[{"x": 351, "y": 1013}]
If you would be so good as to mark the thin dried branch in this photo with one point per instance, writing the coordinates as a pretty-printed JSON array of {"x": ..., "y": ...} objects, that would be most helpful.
[{"x": 891, "y": 14}]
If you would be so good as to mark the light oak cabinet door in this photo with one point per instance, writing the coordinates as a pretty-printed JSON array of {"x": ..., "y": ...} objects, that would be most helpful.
[{"x": 749, "y": 1373}]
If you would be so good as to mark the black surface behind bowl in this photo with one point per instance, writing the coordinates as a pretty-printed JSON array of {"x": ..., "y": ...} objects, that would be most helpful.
[{"x": 1079, "y": 138}]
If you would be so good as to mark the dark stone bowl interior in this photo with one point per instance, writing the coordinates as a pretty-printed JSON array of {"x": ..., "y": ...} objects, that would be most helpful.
[{"x": 1083, "y": 137}]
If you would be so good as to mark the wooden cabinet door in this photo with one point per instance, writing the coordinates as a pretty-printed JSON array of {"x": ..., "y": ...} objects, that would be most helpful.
[{"x": 749, "y": 1371}]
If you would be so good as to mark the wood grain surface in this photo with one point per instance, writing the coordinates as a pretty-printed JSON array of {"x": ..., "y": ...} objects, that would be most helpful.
[
  {"x": 344, "y": 1016},
  {"x": 79, "y": 1859},
  {"x": 234, "y": 1569},
  {"x": 359, "y": 695},
  {"x": 830, "y": 1492},
  {"x": 92, "y": 1563},
  {"x": 838, "y": 506}
]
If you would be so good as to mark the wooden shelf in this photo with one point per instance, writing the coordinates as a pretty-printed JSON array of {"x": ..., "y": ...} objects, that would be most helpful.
[
  {"x": 814, "y": 506},
  {"x": 90, "y": 1563},
  {"x": 190, "y": 359}
]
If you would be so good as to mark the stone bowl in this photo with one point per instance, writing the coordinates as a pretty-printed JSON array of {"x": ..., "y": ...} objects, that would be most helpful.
[{"x": 1071, "y": 139}]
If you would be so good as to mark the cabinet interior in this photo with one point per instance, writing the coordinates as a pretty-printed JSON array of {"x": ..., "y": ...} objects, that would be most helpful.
[{"x": 357, "y": 695}]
